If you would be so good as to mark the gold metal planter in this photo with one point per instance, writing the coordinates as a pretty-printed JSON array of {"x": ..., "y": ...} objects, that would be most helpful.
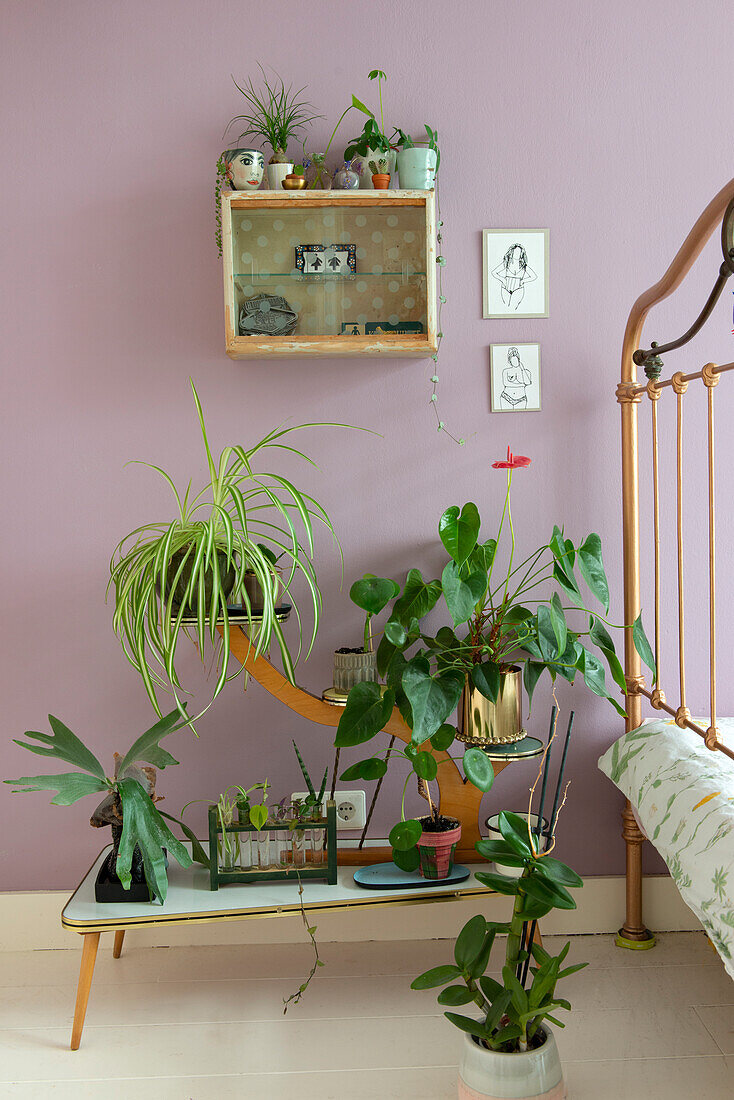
[{"x": 486, "y": 723}]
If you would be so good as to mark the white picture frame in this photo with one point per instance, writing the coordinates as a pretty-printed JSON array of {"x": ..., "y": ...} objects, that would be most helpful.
[
  {"x": 514, "y": 377},
  {"x": 515, "y": 266}
]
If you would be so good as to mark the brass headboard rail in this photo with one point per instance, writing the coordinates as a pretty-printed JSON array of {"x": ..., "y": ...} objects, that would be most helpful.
[{"x": 629, "y": 395}]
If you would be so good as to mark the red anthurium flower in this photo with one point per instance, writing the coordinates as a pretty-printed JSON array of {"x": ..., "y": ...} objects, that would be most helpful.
[{"x": 514, "y": 462}]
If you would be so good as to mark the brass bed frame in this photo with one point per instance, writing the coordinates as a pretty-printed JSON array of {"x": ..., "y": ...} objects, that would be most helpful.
[{"x": 719, "y": 212}]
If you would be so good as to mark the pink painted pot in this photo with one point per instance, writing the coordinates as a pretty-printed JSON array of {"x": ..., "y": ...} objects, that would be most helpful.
[{"x": 436, "y": 850}]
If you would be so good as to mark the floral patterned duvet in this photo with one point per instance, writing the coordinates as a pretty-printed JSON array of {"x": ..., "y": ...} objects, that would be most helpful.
[{"x": 684, "y": 797}]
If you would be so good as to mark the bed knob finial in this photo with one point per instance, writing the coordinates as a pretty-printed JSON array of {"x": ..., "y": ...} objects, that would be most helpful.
[
  {"x": 712, "y": 738},
  {"x": 680, "y": 382},
  {"x": 657, "y": 699},
  {"x": 682, "y": 715},
  {"x": 710, "y": 375}
]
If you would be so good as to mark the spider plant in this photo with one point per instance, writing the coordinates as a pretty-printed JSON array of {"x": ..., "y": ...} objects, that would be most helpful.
[
  {"x": 276, "y": 114},
  {"x": 173, "y": 575}
]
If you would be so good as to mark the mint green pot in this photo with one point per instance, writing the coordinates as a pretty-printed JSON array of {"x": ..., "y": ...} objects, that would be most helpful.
[{"x": 417, "y": 169}]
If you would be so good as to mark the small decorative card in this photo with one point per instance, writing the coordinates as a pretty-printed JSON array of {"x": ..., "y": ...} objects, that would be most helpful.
[
  {"x": 378, "y": 328},
  {"x": 326, "y": 259}
]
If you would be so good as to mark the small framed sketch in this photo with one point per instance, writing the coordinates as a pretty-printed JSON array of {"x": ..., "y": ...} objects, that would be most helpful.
[
  {"x": 326, "y": 259},
  {"x": 515, "y": 377},
  {"x": 515, "y": 273}
]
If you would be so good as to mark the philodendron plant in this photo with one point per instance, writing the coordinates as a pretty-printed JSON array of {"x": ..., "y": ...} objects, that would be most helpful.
[
  {"x": 178, "y": 573},
  {"x": 510, "y": 1012},
  {"x": 531, "y": 614},
  {"x": 129, "y": 796}
]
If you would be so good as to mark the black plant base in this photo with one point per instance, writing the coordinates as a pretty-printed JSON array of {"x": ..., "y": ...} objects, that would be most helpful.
[{"x": 108, "y": 888}]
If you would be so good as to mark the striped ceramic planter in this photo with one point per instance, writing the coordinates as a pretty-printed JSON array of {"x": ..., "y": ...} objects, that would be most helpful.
[{"x": 436, "y": 850}]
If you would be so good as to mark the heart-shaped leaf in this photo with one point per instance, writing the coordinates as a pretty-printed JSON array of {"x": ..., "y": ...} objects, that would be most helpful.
[
  {"x": 592, "y": 569},
  {"x": 462, "y": 595},
  {"x": 443, "y": 738},
  {"x": 418, "y": 598},
  {"x": 372, "y": 594},
  {"x": 431, "y": 698},
  {"x": 459, "y": 531},
  {"x": 407, "y": 861},
  {"x": 366, "y": 713},
  {"x": 486, "y": 679}
]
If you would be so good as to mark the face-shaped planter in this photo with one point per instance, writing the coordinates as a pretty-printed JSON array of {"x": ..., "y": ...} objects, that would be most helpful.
[{"x": 245, "y": 168}]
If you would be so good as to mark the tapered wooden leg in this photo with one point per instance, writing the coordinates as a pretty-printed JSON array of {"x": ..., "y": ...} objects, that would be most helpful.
[
  {"x": 86, "y": 971},
  {"x": 117, "y": 949},
  {"x": 633, "y": 933}
]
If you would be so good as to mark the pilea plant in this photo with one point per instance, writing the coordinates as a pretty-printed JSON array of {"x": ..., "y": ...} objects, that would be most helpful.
[{"x": 512, "y": 1011}]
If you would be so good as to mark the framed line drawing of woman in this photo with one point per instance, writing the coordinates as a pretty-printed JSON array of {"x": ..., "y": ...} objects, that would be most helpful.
[
  {"x": 515, "y": 377},
  {"x": 515, "y": 273}
]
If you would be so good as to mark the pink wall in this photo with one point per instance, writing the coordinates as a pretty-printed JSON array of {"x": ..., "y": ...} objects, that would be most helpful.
[{"x": 609, "y": 123}]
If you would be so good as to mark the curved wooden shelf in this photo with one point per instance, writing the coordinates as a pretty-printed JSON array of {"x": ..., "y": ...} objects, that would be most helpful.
[{"x": 457, "y": 798}]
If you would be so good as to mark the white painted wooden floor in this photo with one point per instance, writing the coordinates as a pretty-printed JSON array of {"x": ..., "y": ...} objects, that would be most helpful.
[{"x": 206, "y": 1024}]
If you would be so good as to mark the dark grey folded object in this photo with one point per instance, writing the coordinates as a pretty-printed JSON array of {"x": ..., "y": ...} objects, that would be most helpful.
[{"x": 267, "y": 315}]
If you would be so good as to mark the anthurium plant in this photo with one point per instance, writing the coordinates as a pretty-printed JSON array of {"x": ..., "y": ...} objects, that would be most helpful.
[
  {"x": 531, "y": 614},
  {"x": 177, "y": 574},
  {"x": 129, "y": 799},
  {"x": 507, "y": 1015}
]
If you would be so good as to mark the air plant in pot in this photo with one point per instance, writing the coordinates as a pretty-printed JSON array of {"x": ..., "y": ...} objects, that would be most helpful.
[
  {"x": 175, "y": 575},
  {"x": 140, "y": 835},
  {"x": 276, "y": 115}
]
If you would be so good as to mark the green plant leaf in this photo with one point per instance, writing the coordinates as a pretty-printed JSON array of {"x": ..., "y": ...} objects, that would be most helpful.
[
  {"x": 462, "y": 595},
  {"x": 490, "y": 987},
  {"x": 258, "y": 815},
  {"x": 431, "y": 698},
  {"x": 482, "y": 556},
  {"x": 144, "y": 826},
  {"x": 558, "y": 622},
  {"x": 593, "y": 672},
  {"x": 459, "y": 531},
  {"x": 558, "y": 872},
  {"x": 592, "y": 569},
  {"x": 443, "y": 738},
  {"x": 470, "y": 941},
  {"x": 502, "y": 884},
  {"x": 424, "y": 766},
  {"x": 418, "y": 598},
  {"x": 63, "y": 745},
  {"x": 405, "y": 835},
  {"x": 197, "y": 852},
  {"x": 465, "y": 1023},
  {"x": 519, "y": 997},
  {"x": 367, "y": 711},
  {"x": 514, "y": 831},
  {"x": 500, "y": 1005},
  {"x": 438, "y": 975},
  {"x": 373, "y": 594},
  {"x": 407, "y": 861},
  {"x": 455, "y": 995},
  {"x": 396, "y": 634},
  {"x": 71, "y": 786},
  {"x": 643, "y": 646},
  {"x": 147, "y": 746},
  {"x": 546, "y": 634},
  {"x": 497, "y": 850},
  {"x": 372, "y": 768},
  {"x": 531, "y": 674},
  {"x": 478, "y": 769},
  {"x": 486, "y": 679},
  {"x": 547, "y": 892}
]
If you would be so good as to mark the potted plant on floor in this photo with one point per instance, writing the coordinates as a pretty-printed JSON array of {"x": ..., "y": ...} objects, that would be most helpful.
[
  {"x": 178, "y": 574},
  {"x": 509, "y": 1049},
  {"x": 372, "y": 143},
  {"x": 418, "y": 161},
  {"x": 276, "y": 115},
  {"x": 140, "y": 836}
]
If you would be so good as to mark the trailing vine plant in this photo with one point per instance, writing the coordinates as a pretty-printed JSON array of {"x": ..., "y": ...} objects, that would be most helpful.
[
  {"x": 441, "y": 262},
  {"x": 222, "y": 176}
]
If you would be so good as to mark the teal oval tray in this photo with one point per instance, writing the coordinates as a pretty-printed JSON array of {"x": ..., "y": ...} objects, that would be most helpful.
[{"x": 386, "y": 876}]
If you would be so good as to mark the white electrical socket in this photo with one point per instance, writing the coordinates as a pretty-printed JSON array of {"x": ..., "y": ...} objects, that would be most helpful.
[{"x": 351, "y": 808}]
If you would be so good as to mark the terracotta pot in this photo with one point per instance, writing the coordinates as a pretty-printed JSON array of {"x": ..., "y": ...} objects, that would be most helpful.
[
  {"x": 534, "y": 1075},
  {"x": 436, "y": 850},
  {"x": 499, "y": 723},
  {"x": 353, "y": 668},
  {"x": 381, "y": 181}
]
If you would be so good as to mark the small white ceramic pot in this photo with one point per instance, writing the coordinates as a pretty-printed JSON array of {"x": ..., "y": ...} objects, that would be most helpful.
[
  {"x": 493, "y": 831},
  {"x": 362, "y": 166},
  {"x": 277, "y": 173},
  {"x": 488, "y": 1075},
  {"x": 417, "y": 169}
]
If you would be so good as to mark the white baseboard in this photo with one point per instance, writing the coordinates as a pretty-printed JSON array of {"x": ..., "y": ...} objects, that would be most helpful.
[{"x": 31, "y": 921}]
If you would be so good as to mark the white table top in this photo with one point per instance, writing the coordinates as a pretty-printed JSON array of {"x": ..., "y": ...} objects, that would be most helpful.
[{"x": 190, "y": 900}]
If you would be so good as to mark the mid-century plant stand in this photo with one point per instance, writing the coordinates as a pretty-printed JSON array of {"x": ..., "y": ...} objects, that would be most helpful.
[{"x": 356, "y": 268}]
